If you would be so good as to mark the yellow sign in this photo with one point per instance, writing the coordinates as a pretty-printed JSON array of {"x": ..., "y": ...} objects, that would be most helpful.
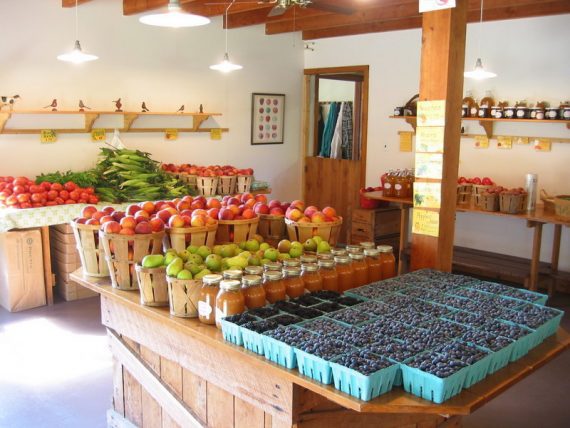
[
  {"x": 405, "y": 141},
  {"x": 542, "y": 144},
  {"x": 431, "y": 113},
  {"x": 171, "y": 134},
  {"x": 429, "y": 139},
  {"x": 520, "y": 140},
  {"x": 215, "y": 134},
  {"x": 504, "y": 143},
  {"x": 48, "y": 136},
  {"x": 481, "y": 142},
  {"x": 429, "y": 165},
  {"x": 98, "y": 135},
  {"x": 427, "y": 195},
  {"x": 425, "y": 222}
]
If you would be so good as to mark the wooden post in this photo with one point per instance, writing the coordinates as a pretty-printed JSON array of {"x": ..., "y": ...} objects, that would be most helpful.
[{"x": 441, "y": 78}]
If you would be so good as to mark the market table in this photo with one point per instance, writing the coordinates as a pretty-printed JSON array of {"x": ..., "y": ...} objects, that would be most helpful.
[
  {"x": 535, "y": 219},
  {"x": 178, "y": 369}
]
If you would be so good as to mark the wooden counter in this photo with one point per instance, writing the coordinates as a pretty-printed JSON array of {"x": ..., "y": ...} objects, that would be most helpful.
[{"x": 175, "y": 370}]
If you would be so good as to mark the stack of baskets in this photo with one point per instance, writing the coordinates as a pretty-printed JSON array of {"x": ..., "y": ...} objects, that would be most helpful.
[
  {"x": 226, "y": 185},
  {"x": 243, "y": 183},
  {"x": 189, "y": 180},
  {"x": 207, "y": 186},
  {"x": 300, "y": 232}
]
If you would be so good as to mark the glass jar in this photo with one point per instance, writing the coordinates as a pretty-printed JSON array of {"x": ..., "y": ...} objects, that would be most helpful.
[
  {"x": 294, "y": 284},
  {"x": 272, "y": 266},
  {"x": 374, "y": 264},
  {"x": 207, "y": 300},
  {"x": 253, "y": 270},
  {"x": 366, "y": 245},
  {"x": 388, "y": 188},
  {"x": 400, "y": 186},
  {"x": 311, "y": 277},
  {"x": 350, "y": 249},
  {"x": 324, "y": 256},
  {"x": 360, "y": 268},
  {"x": 292, "y": 263},
  {"x": 308, "y": 258},
  {"x": 275, "y": 289},
  {"x": 253, "y": 291},
  {"x": 338, "y": 252},
  {"x": 345, "y": 273},
  {"x": 232, "y": 274},
  {"x": 388, "y": 261},
  {"x": 329, "y": 275},
  {"x": 229, "y": 301}
]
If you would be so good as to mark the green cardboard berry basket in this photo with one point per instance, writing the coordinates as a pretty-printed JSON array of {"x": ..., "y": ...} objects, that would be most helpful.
[
  {"x": 431, "y": 387},
  {"x": 363, "y": 387}
]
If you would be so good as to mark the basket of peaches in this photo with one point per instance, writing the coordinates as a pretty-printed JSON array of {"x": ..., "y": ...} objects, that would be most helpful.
[
  {"x": 271, "y": 219},
  {"x": 237, "y": 219},
  {"x": 305, "y": 222}
]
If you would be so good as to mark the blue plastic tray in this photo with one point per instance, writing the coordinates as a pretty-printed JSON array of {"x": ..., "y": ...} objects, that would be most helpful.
[
  {"x": 314, "y": 367},
  {"x": 252, "y": 340},
  {"x": 521, "y": 347},
  {"x": 478, "y": 371},
  {"x": 231, "y": 333},
  {"x": 361, "y": 386},
  {"x": 279, "y": 352},
  {"x": 431, "y": 387},
  {"x": 549, "y": 328}
]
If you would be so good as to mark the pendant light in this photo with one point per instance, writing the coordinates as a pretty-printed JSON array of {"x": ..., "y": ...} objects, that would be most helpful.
[
  {"x": 226, "y": 65},
  {"x": 174, "y": 17},
  {"x": 479, "y": 72},
  {"x": 77, "y": 56}
]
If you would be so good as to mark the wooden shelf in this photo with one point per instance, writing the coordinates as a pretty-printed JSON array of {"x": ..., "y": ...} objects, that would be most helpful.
[{"x": 91, "y": 116}]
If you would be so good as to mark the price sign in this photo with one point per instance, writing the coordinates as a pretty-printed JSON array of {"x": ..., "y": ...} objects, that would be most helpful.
[
  {"x": 504, "y": 143},
  {"x": 216, "y": 134},
  {"x": 48, "y": 136},
  {"x": 481, "y": 142},
  {"x": 425, "y": 222},
  {"x": 542, "y": 144},
  {"x": 521, "y": 140},
  {"x": 429, "y": 165},
  {"x": 429, "y": 139},
  {"x": 427, "y": 195},
  {"x": 98, "y": 135},
  {"x": 171, "y": 134},
  {"x": 405, "y": 141},
  {"x": 431, "y": 113}
]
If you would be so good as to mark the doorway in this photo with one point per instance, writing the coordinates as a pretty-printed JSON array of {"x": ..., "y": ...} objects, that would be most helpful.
[{"x": 335, "y": 123}]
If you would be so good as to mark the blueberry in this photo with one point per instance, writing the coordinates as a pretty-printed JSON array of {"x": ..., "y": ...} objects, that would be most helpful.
[
  {"x": 287, "y": 306},
  {"x": 260, "y": 326},
  {"x": 363, "y": 362},
  {"x": 375, "y": 308},
  {"x": 264, "y": 312},
  {"x": 325, "y": 348},
  {"x": 393, "y": 350},
  {"x": 351, "y": 316},
  {"x": 307, "y": 313},
  {"x": 355, "y": 336},
  {"x": 291, "y": 335},
  {"x": 436, "y": 364},
  {"x": 240, "y": 319},
  {"x": 460, "y": 351},
  {"x": 323, "y": 326},
  {"x": 486, "y": 340}
]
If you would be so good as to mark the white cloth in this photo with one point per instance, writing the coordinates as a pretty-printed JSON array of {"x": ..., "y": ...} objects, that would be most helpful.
[{"x": 336, "y": 144}]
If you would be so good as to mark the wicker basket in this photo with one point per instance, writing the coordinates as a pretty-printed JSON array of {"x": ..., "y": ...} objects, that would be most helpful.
[
  {"x": 189, "y": 180},
  {"x": 183, "y": 295},
  {"x": 122, "y": 252},
  {"x": 243, "y": 183},
  {"x": 90, "y": 252},
  {"x": 548, "y": 202},
  {"x": 510, "y": 203},
  {"x": 230, "y": 231},
  {"x": 152, "y": 285},
  {"x": 180, "y": 237},
  {"x": 207, "y": 186},
  {"x": 562, "y": 206},
  {"x": 478, "y": 190},
  {"x": 329, "y": 231},
  {"x": 226, "y": 185},
  {"x": 464, "y": 194},
  {"x": 489, "y": 202},
  {"x": 272, "y": 227}
]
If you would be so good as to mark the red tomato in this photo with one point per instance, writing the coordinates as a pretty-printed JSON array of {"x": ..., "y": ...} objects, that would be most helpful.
[
  {"x": 75, "y": 195},
  {"x": 4, "y": 195},
  {"x": 90, "y": 190},
  {"x": 64, "y": 194},
  {"x": 25, "y": 205},
  {"x": 11, "y": 200},
  {"x": 3, "y": 185},
  {"x": 57, "y": 187},
  {"x": 37, "y": 205},
  {"x": 36, "y": 197},
  {"x": 51, "y": 203},
  {"x": 83, "y": 201},
  {"x": 70, "y": 202},
  {"x": 52, "y": 195},
  {"x": 93, "y": 199},
  {"x": 20, "y": 189},
  {"x": 23, "y": 197},
  {"x": 59, "y": 201},
  {"x": 70, "y": 186},
  {"x": 84, "y": 195},
  {"x": 476, "y": 180},
  {"x": 46, "y": 185},
  {"x": 21, "y": 181}
]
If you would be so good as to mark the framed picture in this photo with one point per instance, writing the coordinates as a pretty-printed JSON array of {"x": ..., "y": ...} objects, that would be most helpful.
[{"x": 267, "y": 118}]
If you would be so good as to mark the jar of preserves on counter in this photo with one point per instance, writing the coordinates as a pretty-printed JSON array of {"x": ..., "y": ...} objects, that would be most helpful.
[
  {"x": 275, "y": 289},
  {"x": 253, "y": 291},
  {"x": 345, "y": 273},
  {"x": 338, "y": 252},
  {"x": 232, "y": 274},
  {"x": 356, "y": 249},
  {"x": 308, "y": 258},
  {"x": 388, "y": 188},
  {"x": 294, "y": 284},
  {"x": 207, "y": 300},
  {"x": 311, "y": 277},
  {"x": 272, "y": 266},
  {"x": 253, "y": 270},
  {"x": 329, "y": 275},
  {"x": 229, "y": 301},
  {"x": 360, "y": 268},
  {"x": 388, "y": 261},
  {"x": 324, "y": 256},
  {"x": 292, "y": 263},
  {"x": 365, "y": 245}
]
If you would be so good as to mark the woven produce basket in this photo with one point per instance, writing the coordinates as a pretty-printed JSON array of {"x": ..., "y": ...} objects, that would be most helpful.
[
  {"x": 91, "y": 253},
  {"x": 183, "y": 295},
  {"x": 226, "y": 185},
  {"x": 272, "y": 227},
  {"x": 478, "y": 190},
  {"x": 329, "y": 231},
  {"x": 122, "y": 252},
  {"x": 230, "y": 231},
  {"x": 243, "y": 183},
  {"x": 489, "y": 202},
  {"x": 464, "y": 194},
  {"x": 207, "y": 186},
  {"x": 180, "y": 237},
  {"x": 562, "y": 206},
  {"x": 548, "y": 201},
  {"x": 188, "y": 179},
  {"x": 152, "y": 285},
  {"x": 512, "y": 203}
]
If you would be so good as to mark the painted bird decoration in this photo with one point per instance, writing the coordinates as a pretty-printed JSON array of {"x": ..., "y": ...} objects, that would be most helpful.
[
  {"x": 144, "y": 108},
  {"x": 118, "y": 105},
  {"x": 53, "y": 105},
  {"x": 181, "y": 109},
  {"x": 8, "y": 101},
  {"x": 82, "y": 106}
]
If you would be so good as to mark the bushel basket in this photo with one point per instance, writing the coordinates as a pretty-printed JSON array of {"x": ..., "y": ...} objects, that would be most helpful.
[
  {"x": 180, "y": 238},
  {"x": 300, "y": 232},
  {"x": 230, "y": 231},
  {"x": 152, "y": 285},
  {"x": 183, "y": 295},
  {"x": 91, "y": 252}
]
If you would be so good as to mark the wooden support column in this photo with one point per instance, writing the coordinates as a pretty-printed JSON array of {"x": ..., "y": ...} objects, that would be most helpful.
[{"x": 441, "y": 78}]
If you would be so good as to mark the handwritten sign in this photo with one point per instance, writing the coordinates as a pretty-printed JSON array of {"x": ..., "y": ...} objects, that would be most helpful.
[
  {"x": 171, "y": 134},
  {"x": 431, "y": 5},
  {"x": 429, "y": 139},
  {"x": 427, "y": 195},
  {"x": 431, "y": 113},
  {"x": 216, "y": 134},
  {"x": 521, "y": 140},
  {"x": 481, "y": 142},
  {"x": 425, "y": 222},
  {"x": 429, "y": 165},
  {"x": 504, "y": 142},
  {"x": 97, "y": 135},
  {"x": 542, "y": 144},
  {"x": 405, "y": 141},
  {"x": 48, "y": 136}
]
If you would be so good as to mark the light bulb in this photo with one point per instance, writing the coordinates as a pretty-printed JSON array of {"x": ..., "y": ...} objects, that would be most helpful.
[
  {"x": 479, "y": 72},
  {"x": 77, "y": 56},
  {"x": 175, "y": 17},
  {"x": 226, "y": 65}
]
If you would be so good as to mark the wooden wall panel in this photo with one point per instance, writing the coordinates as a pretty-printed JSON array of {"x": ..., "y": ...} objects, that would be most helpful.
[
  {"x": 247, "y": 416},
  {"x": 152, "y": 412},
  {"x": 220, "y": 407},
  {"x": 118, "y": 388},
  {"x": 194, "y": 394},
  {"x": 133, "y": 390},
  {"x": 171, "y": 374}
]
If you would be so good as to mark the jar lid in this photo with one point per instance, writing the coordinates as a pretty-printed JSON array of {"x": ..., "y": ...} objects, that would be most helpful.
[
  {"x": 292, "y": 263},
  {"x": 366, "y": 245},
  {"x": 309, "y": 267},
  {"x": 291, "y": 271},
  {"x": 356, "y": 256},
  {"x": 249, "y": 280},
  {"x": 273, "y": 275},
  {"x": 230, "y": 285},
  {"x": 232, "y": 274},
  {"x": 327, "y": 264},
  {"x": 253, "y": 270},
  {"x": 271, "y": 266},
  {"x": 353, "y": 248},
  {"x": 338, "y": 252},
  {"x": 342, "y": 260},
  {"x": 324, "y": 256},
  {"x": 385, "y": 248},
  {"x": 212, "y": 279},
  {"x": 307, "y": 258},
  {"x": 371, "y": 252}
]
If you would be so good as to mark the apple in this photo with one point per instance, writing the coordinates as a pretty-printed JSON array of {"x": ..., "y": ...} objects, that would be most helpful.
[
  {"x": 128, "y": 222},
  {"x": 476, "y": 180},
  {"x": 261, "y": 198},
  {"x": 86, "y": 212},
  {"x": 246, "y": 197},
  {"x": 156, "y": 224},
  {"x": 142, "y": 216},
  {"x": 164, "y": 215},
  {"x": 261, "y": 208},
  {"x": 213, "y": 213},
  {"x": 329, "y": 212},
  {"x": 132, "y": 209},
  {"x": 487, "y": 181},
  {"x": 462, "y": 180},
  {"x": 293, "y": 214},
  {"x": 176, "y": 221},
  {"x": 276, "y": 211},
  {"x": 118, "y": 215},
  {"x": 300, "y": 205},
  {"x": 226, "y": 214},
  {"x": 310, "y": 210},
  {"x": 187, "y": 220},
  {"x": 93, "y": 222},
  {"x": 111, "y": 227},
  {"x": 107, "y": 209},
  {"x": 317, "y": 217},
  {"x": 274, "y": 203},
  {"x": 304, "y": 219},
  {"x": 233, "y": 201}
]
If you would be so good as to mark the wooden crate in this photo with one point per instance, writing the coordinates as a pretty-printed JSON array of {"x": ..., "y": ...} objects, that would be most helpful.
[
  {"x": 372, "y": 225},
  {"x": 70, "y": 290}
]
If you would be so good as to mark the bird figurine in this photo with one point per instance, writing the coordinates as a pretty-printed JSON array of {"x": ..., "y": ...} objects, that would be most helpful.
[
  {"x": 8, "y": 101},
  {"x": 53, "y": 105},
  {"x": 181, "y": 109},
  {"x": 82, "y": 106},
  {"x": 144, "y": 109},
  {"x": 118, "y": 105},
  {"x": 201, "y": 108}
]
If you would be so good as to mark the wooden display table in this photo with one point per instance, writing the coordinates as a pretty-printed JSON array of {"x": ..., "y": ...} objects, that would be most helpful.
[{"x": 176, "y": 370}]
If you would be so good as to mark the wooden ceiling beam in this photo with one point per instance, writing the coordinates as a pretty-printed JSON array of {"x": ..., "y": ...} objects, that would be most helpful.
[
  {"x": 71, "y": 3},
  {"x": 370, "y": 27}
]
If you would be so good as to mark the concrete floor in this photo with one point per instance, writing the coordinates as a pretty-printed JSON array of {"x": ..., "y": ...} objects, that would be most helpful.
[{"x": 55, "y": 371}]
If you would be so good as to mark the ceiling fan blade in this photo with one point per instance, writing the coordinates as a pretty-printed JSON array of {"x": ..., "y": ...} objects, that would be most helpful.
[
  {"x": 277, "y": 11},
  {"x": 327, "y": 7}
]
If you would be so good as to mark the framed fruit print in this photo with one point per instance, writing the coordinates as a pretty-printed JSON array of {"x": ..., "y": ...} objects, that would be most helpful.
[{"x": 267, "y": 118}]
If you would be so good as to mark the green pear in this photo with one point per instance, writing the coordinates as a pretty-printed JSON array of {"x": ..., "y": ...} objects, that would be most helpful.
[
  {"x": 169, "y": 257},
  {"x": 202, "y": 274},
  {"x": 245, "y": 254},
  {"x": 252, "y": 245},
  {"x": 237, "y": 261},
  {"x": 152, "y": 261},
  {"x": 296, "y": 251},
  {"x": 174, "y": 267},
  {"x": 264, "y": 246},
  {"x": 271, "y": 254},
  {"x": 265, "y": 261},
  {"x": 317, "y": 239},
  {"x": 184, "y": 255},
  {"x": 254, "y": 261},
  {"x": 195, "y": 258},
  {"x": 192, "y": 248},
  {"x": 204, "y": 251},
  {"x": 310, "y": 245},
  {"x": 193, "y": 267},
  {"x": 227, "y": 251},
  {"x": 217, "y": 250},
  {"x": 241, "y": 245},
  {"x": 235, "y": 249},
  {"x": 284, "y": 246},
  {"x": 323, "y": 247},
  {"x": 283, "y": 256},
  {"x": 184, "y": 274},
  {"x": 213, "y": 262}
]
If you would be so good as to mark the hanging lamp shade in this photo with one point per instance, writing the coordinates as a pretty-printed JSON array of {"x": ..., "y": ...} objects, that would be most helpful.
[
  {"x": 226, "y": 65},
  {"x": 77, "y": 56},
  {"x": 479, "y": 72},
  {"x": 174, "y": 17}
]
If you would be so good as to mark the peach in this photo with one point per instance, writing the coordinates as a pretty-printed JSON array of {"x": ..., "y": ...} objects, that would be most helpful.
[
  {"x": 88, "y": 211},
  {"x": 261, "y": 208},
  {"x": 118, "y": 215},
  {"x": 127, "y": 231},
  {"x": 148, "y": 206},
  {"x": 93, "y": 222},
  {"x": 304, "y": 219},
  {"x": 317, "y": 217},
  {"x": 106, "y": 218},
  {"x": 234, "y": 209},
  {"x": 143, "y": 228},
  {"x": 276, "y": 211},
  {"x": 226, "y": 214},
  {"x": 261, "y": 198},
  {"x": 246, "y": 197},
  {"x": 176, "y": 221},
  {"x": 248, "y": 213},
  {"x": 132, "y": 209},
  {"x": 197, "y": 204},
  {"x": 97, "y": 215},
  {"x": 156, "y": 224},
  {"x": 128, "y": 222},
  {"x": 198, "y": 221},
  {"x": 187, "y": 198},
  {"x": 310, "y": 210},
  {"x": 234, "y": 201},
  {"x": 329, "y": 212},
  {"x": 250, "y": 203},
  {"x": 142, "y": 216},
  {"x": 164, "y": 215},
  {"x": 210, "y": 221},
  {"x": 200, "y": 212},
  {"x": 107, "y": 209},
  {"x": 213, "y": 213},
  {"x": 274, "y": 203},
  {"x": 213, "y": 203},
  {"x": 183, "y": 205},
  {"x": 300, "y": 205},
  {"x": 80, "y": 220},
  {"x": 112, "y": 227}
]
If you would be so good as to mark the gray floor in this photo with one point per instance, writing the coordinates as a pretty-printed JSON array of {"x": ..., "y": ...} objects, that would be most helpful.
[{"x": 55, "y": 371}]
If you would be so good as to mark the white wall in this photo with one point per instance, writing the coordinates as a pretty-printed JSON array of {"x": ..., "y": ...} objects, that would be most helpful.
[
  {"x": 165, "y": 68},
  {"x": 336, "y": 90},
  {"x": 532, "y": 61}
]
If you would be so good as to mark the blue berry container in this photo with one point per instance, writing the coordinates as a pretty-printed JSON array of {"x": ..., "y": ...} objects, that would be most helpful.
[
  {"x": 252, "y": 340},
  {"x": 314, "y": 367},
  {"x": 522, "y": 346},
  {"x": 362, "y": 386},
  {"x": 478, "y": 371},
  {"x": 549, "y": 328},
  {"x": 431, "y": 387},
  {"x": 232, "y": 332},
  {"x": 279, "y": 352}
]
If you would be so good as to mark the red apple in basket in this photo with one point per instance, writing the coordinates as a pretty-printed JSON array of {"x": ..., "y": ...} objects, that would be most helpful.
[
  {"x": 198, "y": 221},
  {"x": 213, "y": 203},
  {"x": 246, "y": 197},
  {"x": 128, "y": 222},
  {"x": 86, "y": 212},
  {"x": 300, "y": 205},
  {"x": 118, "y": 215},
  {"x": 142, "y": 215},
  {"x": 112, "y": 227},
  {"x": 107, "y": 209},
  {"x": 276, "y": 211},
  {"x": 310, "y": 210},
  {"x": 226, "y": 214},
  {"x": 176, "y": 221},
  {"x": 132, "y": 209},
  {"x": 261, "y": 198},
  {"x": 156, "y": 224},
  {"x": 164, "y": 215},
  {"x": 261, "y": 208},
  {"x": 274, "y": 203},
  {"x": 317, "y": 217},
  {"x": 248, "y": 213},
  {"x": 213, "y": 213},
  {"x": 293, "y": 214},
  {"x": 329, "y": 212}
]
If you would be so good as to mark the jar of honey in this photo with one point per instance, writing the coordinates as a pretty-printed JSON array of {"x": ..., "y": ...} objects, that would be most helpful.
[
  {"x": 229, "y": 301},
  {"x": 253, "y": 291},
  {"x": 292, "y": 263},
  {"x": 400, "y": 186},
  {"x": 294, "y": 284},
  {"x": 253, "y": 270},
  {"x": 324, "y": 256},
  {"x": 275, "y": 289},
  {"x": 350, "y": 249},
  {"x": 374, "y": 264},
  {"x": 232, "y": 274},
  {"x": 338, "y": 252},
  {"x": 388, "y": 188},
  {"x": 360, "y": 268},
  {"x": 207, "y": 300},
  {"x": 308, "y": 258},
  {"x": 365, "y": 245},
  {"x": 388, "y": 261},
  {"x": 345, "y": 273},
  {"x": 329, "y": 275},
  {"x": 311, "y": 277},
  {"x": 272, "y": 266}
]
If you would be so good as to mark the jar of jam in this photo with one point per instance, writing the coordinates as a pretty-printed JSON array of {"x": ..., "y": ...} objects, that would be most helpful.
[
  {"x": 253, "y": 270},
  {"x": 551, "y": 113},
  {"x": 565, "y": 115},
  {"x": 292, "y": 263},
  {"x": 308, "y": 258},
  {"x": 388, "y": 261},
  {"x": 400, "y": 186},
  {"x": 350, "y": 249},
  {"x": 338, "y": 252},
  {"x": 275, "y": 289},
  {"x": 388, "y": 189},
  {"x": 229, "y": 301},
  {"x": 207, "y": 300},
  {"x": 374, "y": 264},
  {"x": 311, "y": 277},
  {"x": 232, "y": 274},
  {"x": 509, "y": 112},
  {"x": 522, "y": 112},
  {"x": 253, "y": 291},
  {"x": 329, "y": 275},
  {"x": 360, "y": 268},
  {"x": 272, "y": 266},
  {"x": 366, "y": 245},
  {"x": 324, "y": 256},
  {"x": 294, "y": 284},
  {"x": 345, "y": 273}
]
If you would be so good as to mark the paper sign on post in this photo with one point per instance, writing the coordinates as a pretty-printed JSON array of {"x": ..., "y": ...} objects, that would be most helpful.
[
  {"x": 171, "y": 134},
  {"x": 429, "y": 139},
  {"x": 97, "y": 135},
  {"x": 405, "y": 141},
  {"x": 504, "y": 142},
  {"x": 431, "y": 5},
  {"x": 542, "y": 144},
  {"x": 425, "y": 222},
  {"x": 431, "y": 113},
  {"x": 216, "y": 134},
  {"x": 427, "y": 195},
  {"x": 48, "y": 136},
  {"x": 429, "y": 165},
  {"x": 481, "y": 142}
]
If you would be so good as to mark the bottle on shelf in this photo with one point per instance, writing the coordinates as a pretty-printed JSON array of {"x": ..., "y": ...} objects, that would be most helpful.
[
  {"x": 207, "y": 300},
  {"x": 388, "y": 261},
  {"x": 229, "y": 301},
  {"x": 253, "y": 291}
]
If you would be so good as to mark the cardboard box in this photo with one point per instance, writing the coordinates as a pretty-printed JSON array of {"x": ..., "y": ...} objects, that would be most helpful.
[
  {"x": 22, "y": 283},
  {"x": 73, "y": 291}
]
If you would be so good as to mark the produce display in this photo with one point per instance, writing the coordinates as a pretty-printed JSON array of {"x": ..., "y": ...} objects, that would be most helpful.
[
  {"x": 485, "y": 181},
  {"x": 205, "y": 171},
  {"x": 299, "y": 213}
]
